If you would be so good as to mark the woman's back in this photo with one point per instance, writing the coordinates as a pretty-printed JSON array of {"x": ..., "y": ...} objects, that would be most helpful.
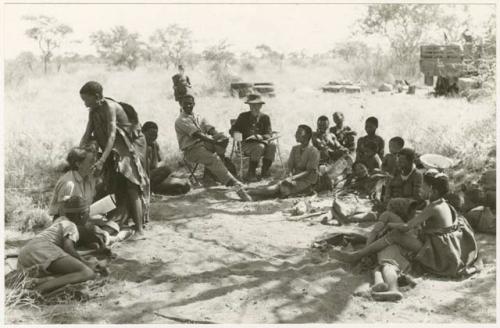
[{"x": 441, "y": 215}]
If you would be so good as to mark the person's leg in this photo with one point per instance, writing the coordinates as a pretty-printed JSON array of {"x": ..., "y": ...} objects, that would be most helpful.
[
  {"x": 200, "y": 154},
  {"x": 255, "y": 151},
  {"x": 265, "y": 192},
  {"x": 378, "y": 281},
  {"x": 72, "y": 270},
  {"x": 405, "y": 240},
  {"x": 135, "y": 206},
  {"x": 390, "y": 274},
  {"x": 268, "y": 159}
]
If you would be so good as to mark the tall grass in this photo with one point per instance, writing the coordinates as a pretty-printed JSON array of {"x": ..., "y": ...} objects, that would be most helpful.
[{"x": 45, "y": 116}]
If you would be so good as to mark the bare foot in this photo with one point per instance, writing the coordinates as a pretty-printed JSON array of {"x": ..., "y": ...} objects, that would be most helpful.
[
  {"x": 344, "y": 256},
  {"x": 380, "y": 287},
  {"x": 389, "y": 296}
]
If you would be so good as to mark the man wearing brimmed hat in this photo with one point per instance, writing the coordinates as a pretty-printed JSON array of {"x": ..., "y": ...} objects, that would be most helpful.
[
  {"x": 256, "y": 130},
  {"x": 201, "y": 143},
  {"x": 181, "y": 84}
]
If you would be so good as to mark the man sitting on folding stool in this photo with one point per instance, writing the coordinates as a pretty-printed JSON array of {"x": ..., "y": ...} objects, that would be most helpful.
[
  {"x": 256, "y": 130},
  {"x": 201, "y": 143}
]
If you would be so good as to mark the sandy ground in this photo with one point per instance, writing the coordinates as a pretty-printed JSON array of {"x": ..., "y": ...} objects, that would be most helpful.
[{"x": 210, "y": 258}]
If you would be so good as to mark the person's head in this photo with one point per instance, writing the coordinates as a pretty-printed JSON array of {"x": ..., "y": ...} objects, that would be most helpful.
[
  {"x": 338, "y": 118},
  {"x": 187, "y": 102},
  {"x": 359, "y": 170},
  {"x": 303, "y": 134},
  {"x": 371, "y": 148},
  {"x": 396, "y": 144},
  {"x": 181, "y": 69},
  {"x": 255, "y": 102},
  {"x": 76, "y": 209},
  {"x": 371, "y": 125},
  {"x": 436, "y": 184},
  {"x": 406, "y": 158},
  {"x": 150, "y": 130},
  {"x": 323, "y": 123},
  {"x": 81, "y": 159},
  {"x": 91, "y": 94}
]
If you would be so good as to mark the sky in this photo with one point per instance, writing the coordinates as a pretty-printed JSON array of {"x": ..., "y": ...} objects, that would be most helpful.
[{"x": 286, "y": 28}]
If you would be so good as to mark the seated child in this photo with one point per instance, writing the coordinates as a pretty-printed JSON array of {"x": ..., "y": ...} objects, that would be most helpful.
[
  {"x": 444, "y": 246},
  {"x": 325, "y": 141},
  {"x": 345, "y": 136},
  {"x": 302, "y": 169},
  {"x": 390, "y": 161},
  {"x": 52, "y": 252},
  {"x": 480, "y": 203},
  {"x": 371, "y": 157},
  {"x": 371, "y": 125},
  {"x": 160, "y": 175}
]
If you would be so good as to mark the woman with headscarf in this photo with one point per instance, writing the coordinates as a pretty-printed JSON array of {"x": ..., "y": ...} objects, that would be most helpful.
[{"x": 115, "y": 128}]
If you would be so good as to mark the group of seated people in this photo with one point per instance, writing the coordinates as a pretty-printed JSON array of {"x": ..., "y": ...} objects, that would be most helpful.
[{"x": 118, "y": 156}]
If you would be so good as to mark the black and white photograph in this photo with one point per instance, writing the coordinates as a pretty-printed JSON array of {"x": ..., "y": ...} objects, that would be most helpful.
[{"x": 238, "y": 162}]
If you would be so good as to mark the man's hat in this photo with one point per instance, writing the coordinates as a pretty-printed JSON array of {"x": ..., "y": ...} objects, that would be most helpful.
[
  {"x": 254, "y": 99},
  {"x": 74, "y": 204}
]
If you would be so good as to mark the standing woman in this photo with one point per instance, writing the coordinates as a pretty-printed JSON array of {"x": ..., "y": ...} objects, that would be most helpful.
[{"x": 123, "y": 160}]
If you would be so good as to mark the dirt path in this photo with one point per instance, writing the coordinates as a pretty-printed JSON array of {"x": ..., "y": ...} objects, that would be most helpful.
[{"x": 209, "y": 258}]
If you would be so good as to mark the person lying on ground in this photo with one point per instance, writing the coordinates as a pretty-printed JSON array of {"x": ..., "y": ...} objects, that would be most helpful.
[
  {"x": 390, "y": 161},
  {"x": 371, "y": 125},
  {"x": 344, "y": 134},
  {"x": 407, "y": 182},
  {"x": 201, "y": 143},
  {"x": 79, "y": 180},
  {"x": 257, "y": 135},
  {"x": 445, "y": 245},
  {"x": 52, "y": 252},
  {"x": 115, "y": 127},
  {"x": 160, "y": 174},
  {"x": 302, "y": 169}
]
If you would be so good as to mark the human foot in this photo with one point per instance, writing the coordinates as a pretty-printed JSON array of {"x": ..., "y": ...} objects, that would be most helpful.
[
  {"x": 388, "y": 296},
  {"x": 242, "y": 193},
  {"x": 380, "y": 287}
]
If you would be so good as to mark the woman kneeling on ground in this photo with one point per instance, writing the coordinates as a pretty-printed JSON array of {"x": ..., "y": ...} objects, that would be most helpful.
[
  {"x": 444, "y": 246},
  {"x": 52, "y": 252},
  {"x": 302, "y": 168}
]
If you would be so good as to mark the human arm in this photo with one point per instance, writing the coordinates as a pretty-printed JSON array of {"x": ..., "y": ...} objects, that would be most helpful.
[
  {"x": 417, "y": 186},
  {"x": 110, "y": 109},
  {"x": 381, "y": 146},
  {"x": 87, "y": 134},
  {"x": 237, "y": 125},
  {"x": 311, "y": 165},
  {"x": 265, "y": 129}
]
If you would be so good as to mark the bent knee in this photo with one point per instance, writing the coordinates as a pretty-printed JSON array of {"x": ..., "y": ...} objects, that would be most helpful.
[{"x": 88, "y": 273}]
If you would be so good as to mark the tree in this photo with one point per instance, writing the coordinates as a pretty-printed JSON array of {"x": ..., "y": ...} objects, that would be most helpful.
[
  {"x": 26, "y": 59},
  {"x": 171, "y": 45},
  {"x": 220, "y": 59},
  {"x": 267, "y": 53},
  {"x": 49, "y": 34},
  {"x": 119, "y": 46},
  {"x": 351, "y": 50}
]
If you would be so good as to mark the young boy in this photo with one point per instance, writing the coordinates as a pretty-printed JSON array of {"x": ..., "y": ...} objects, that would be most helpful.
[
  {"x": 371, "y": 125},
  {"x": 324, "y": 140},
  {"x": 390, "y": 161}
]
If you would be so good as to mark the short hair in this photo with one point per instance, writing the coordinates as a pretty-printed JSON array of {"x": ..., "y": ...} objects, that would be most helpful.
[
  {"x": 323, "y": 118},
  {"x": 358, "y": 163},
  {"x": 398, "y": 141},
  {"x": 339, "y": 115},
  {"x": 372, "y": 120},
  {"x": 187, "y": 96},
  {"x": 438, "y": 181},
  {"x": 92, "y": 88},
  {"x": 149, "y": 125},
  {"x": 409, "y": 154},
  {"x": 77, "y": 155},
  {"x": 307, "y": 129},
  {"x": 180, "y": 67},
  {"x": 372, "y": 145}
]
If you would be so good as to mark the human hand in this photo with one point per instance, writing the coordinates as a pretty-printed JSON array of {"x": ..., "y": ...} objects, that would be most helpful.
[
  {"x": 259, "y": 137},
  {"x": 97, "y": 166}
]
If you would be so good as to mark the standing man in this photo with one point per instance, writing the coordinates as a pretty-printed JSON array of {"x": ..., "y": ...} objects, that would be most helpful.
[
  {"x": 256, "y": 130},
  {"x": 201, "y": 143},
  {"x": 181, "y": 84}
]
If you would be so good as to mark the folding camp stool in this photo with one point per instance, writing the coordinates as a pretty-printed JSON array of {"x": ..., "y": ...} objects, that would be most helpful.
[{"x": 191, "y": 168}]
